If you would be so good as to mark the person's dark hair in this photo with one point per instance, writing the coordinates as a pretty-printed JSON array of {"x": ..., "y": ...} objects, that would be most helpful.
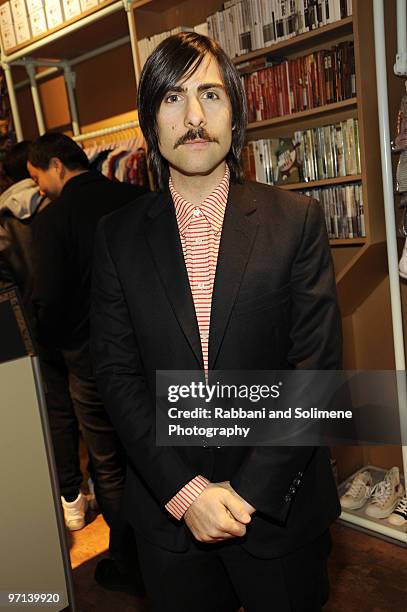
[
  {"x": 57, "y": 145},
  {"x": 15, "y": 161},
  {"x": 175, "y": 59}
]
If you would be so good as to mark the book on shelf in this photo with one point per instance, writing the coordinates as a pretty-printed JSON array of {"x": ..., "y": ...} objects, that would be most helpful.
[
  {"x": 295, "y": 85},
  {"x": 329, "y": 151},
  {"x": 147, "y": 45},
  {"x": 343, "y": 209},
  {"x": 247, "y": 25},
  {"x": 321, "y": 153}
]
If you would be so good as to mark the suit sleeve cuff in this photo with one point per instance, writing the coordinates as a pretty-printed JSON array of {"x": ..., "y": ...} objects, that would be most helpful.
[{"x": 179, "y": 504}]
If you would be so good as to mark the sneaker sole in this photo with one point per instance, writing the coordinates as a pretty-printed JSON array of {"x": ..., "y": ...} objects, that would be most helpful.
[
  {"x": 398, "y": 521},
  {"x": 354, "y": 507},
  {"x": 384, "y": 513},
  {"x": 75, "y": 528}
]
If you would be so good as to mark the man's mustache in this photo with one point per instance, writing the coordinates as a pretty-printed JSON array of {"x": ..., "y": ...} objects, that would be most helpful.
[{"x": 198, "y": 134}]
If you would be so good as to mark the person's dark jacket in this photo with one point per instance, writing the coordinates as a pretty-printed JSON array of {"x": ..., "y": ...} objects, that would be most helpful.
[
  {"x": 64, "y": 237},
  {"x": 20, "y": 206}
]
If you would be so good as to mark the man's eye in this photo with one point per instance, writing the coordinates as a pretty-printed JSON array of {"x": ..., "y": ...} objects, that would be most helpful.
[
  {"x": 211, "y": 95},
  {"x": 172, "y": 98}
]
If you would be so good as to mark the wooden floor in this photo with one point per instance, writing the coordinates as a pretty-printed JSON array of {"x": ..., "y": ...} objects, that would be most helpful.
[{"x": 367, "y": 574}]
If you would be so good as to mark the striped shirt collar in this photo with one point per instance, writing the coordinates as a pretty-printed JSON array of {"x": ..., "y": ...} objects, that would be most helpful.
[{"x": 213, "y": 207}]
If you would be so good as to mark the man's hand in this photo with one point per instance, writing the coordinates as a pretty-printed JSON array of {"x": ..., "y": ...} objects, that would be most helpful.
[{"x": 217, "y": 514}]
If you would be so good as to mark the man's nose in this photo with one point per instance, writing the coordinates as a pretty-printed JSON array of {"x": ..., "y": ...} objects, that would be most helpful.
[{"x": 195, "y": 115}]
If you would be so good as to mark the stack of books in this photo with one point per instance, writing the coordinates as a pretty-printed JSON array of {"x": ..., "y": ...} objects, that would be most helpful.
[
  {"x": 247, "y": 25},
  {"x": 316, "y": 154},
  {"x": 281, "y": 87},
  {"x": 343, "y": 209},
  {"x": 22, "y": 20},
  {"x": 329, "y": 151},
  {"x": 147, "y": 45}
]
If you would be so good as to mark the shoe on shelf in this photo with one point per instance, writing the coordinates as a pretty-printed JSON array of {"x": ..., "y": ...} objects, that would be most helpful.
[
  {"x": 399, "y": 516},
  {"x": 358, "y": 492},
  {"x": 385, "y": 495},
  {"x": 92, "y": 501},
  {"x": 109, "y": 576},
  {"x": 74, "y": 512}
]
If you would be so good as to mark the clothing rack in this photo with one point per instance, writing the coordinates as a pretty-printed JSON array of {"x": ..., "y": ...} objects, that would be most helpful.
[{"x": 106, "y": 131}]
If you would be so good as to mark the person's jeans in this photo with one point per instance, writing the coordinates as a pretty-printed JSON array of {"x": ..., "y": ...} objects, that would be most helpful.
[
  {"x": 106, "y": 454},
  {"x": 62, "y": 421}
]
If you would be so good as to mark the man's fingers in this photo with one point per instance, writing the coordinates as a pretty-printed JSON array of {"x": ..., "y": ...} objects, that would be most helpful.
[
  {"x": 237, "y": 529},
  {"x": 234, "y": 530},
  {"x": 206, "y": 539},
  {"x": 236, "y": 508}
]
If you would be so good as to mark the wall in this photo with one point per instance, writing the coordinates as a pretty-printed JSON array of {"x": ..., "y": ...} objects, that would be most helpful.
[{"x": 105, "y": 88}]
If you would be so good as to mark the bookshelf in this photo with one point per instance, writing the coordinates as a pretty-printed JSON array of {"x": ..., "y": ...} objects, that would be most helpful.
[{"x": 359, "y": 28}]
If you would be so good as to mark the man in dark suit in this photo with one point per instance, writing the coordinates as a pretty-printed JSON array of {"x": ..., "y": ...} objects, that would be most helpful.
[
  {"x": 63, "y": 250},
  {"x": 212, "y": 273}
]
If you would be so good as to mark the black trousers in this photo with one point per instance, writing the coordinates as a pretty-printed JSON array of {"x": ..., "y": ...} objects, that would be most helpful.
[
  {"x": 62, "y": 420},
  {"x": 223, "y": 577},
  {"x": 73, "y": 400}
]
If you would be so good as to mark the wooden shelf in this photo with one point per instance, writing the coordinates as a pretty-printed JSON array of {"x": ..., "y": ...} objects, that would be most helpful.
[
  {"x": 338, "y": 180},
  {"x": 64, "y": 42},
  {"x": 303, "y": 115},
  {"x": 154, "y": 5},
  {"x": 347, "y": 241},
  {"x": 296, "y": 43}
]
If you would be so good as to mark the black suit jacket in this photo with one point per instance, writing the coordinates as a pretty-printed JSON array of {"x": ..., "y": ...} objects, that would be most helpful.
[
  {"x": 63, "y": 250},
  {"x": 273, "y": 307}
]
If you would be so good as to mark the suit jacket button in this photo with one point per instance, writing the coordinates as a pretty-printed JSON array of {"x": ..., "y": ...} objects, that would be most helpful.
[
  {"x": 292, "y": 489},
  {"x": 297, "y": 482},
  {"x": 287, "y": 498}
]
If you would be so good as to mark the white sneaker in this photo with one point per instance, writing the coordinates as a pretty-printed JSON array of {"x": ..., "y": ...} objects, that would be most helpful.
[
  {"x": 385, "y": 495},
  {"x": 74, "y": 512},
  {"x": 92, "y": 501},
  {"x": 399, "y": 516},
  {"x": 358, "y": 492}
]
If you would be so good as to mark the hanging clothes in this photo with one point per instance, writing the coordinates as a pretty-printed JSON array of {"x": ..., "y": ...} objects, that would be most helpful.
[{"x": 123, "y": 160}]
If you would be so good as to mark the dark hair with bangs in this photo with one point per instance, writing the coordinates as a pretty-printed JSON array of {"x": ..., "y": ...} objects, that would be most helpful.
[{"x": 174, "y": 59}]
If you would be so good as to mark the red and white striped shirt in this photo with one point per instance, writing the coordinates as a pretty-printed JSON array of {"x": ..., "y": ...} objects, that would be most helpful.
[{"x": 200, "y": 228}]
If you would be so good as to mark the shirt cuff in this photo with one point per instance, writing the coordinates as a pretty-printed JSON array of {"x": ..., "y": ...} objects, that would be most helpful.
[{"x": 179, "y": 504}]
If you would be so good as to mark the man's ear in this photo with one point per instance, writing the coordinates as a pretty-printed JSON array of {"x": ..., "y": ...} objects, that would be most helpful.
[{"x": 56, "y": 164}]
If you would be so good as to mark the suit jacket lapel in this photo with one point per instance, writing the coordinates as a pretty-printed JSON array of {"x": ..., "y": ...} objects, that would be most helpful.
[
  {"x": 238, "y": 234},
  {"x": 163, "y": 238}
]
